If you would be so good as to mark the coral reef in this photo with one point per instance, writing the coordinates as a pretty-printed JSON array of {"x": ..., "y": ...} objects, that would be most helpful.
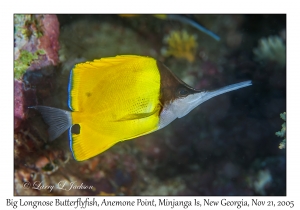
[
  {"x": 271, "y": 49},
  {"x": 35, "y": 55},
  {"x": 36, "y": 42},
  {"x": 22, "y": 99},
  {"x": 282, "y": 132},
  {"x": 168, "y": 187},
  {"x": 181, "y": 45},
  {"x": 24, "y": 61},
  {"x": 35, "y": 47},
  {"x": 263, "y": 178}
]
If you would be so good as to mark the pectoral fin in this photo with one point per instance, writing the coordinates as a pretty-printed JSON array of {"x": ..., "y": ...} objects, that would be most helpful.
[{"x": 138, "y": 115}]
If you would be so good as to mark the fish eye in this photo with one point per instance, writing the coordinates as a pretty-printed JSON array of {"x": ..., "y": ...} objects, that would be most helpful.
[{"x": 182, "y": 92}]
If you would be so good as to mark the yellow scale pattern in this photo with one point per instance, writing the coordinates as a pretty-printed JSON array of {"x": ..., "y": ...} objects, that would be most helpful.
[{"x": 113, "y": 99}]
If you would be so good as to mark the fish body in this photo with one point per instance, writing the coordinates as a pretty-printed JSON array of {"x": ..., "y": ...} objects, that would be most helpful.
[
  {"x": 121, "y": 98},
  {"x": 113, "y": 99}
]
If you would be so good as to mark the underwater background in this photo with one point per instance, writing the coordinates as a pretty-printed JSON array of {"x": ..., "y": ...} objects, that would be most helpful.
[{"x": 233, "y": 144}]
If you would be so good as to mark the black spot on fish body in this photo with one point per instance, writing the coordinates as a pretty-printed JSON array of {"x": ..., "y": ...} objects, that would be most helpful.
[
  {"x": 88, "y": 94},
  {"x": 75, "y": 129}
]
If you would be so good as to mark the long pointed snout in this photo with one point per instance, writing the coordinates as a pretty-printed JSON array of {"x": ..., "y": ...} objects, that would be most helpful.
[
  {"x": 211, "y": 94},
  {"x": 192, "y": 101}
]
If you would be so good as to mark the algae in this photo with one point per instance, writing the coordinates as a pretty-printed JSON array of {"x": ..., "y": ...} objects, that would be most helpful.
[
  {"x": 24, "y": 61},
  {"x": 28, "y": 25}
]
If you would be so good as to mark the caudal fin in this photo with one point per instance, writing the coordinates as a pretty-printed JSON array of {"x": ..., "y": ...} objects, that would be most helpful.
[{"x": 58, "y": 120}]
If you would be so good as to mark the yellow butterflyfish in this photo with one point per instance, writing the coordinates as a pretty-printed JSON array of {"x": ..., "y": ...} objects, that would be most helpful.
[{"x": 120, "y": 98}]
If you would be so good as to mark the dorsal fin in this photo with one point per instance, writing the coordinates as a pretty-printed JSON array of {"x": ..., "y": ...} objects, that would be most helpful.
[{"x": 109, "y": 61}]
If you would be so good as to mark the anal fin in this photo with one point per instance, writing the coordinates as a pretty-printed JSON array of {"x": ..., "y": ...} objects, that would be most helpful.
[{"x": 89, "y": 143}]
